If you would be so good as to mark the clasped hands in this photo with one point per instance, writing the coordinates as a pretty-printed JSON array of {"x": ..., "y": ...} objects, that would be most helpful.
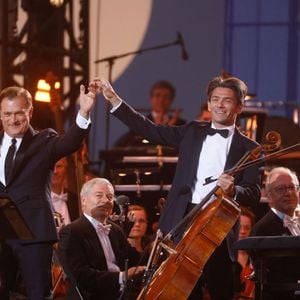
[{"x": 100, "y": 85}]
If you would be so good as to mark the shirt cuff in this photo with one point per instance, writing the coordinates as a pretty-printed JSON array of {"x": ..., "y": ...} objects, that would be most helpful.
[
  {"x": 82, "y": 122},
  {"x": 121, "y": 280},
  {"x": 116, "y": 107}
]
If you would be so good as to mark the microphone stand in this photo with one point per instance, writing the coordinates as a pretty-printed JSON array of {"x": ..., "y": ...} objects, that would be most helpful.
[{"x": 111, "y": 61}]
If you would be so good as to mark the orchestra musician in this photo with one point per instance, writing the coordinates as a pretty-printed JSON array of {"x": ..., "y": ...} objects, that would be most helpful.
[
  {"x": 64, "y": 202},
  {"x": 27, "y": 160},
  {"x": 205, "y": 149},
  {"x": 245, "y": 286},
  {"x": 162, "y": 95},
  {"x": 137, "y": 236},
  {"x": 282, "y": 189},
  {"x": 93, "y": 250}
]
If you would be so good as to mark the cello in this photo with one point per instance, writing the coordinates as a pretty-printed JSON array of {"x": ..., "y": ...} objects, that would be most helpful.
[{"x": 177, "y": 275}]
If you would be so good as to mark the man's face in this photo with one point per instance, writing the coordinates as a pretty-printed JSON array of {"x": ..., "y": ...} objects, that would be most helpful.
[
  {"x": 224, "y": 107},
  {"x": 283, "y": 193},
  {"x": 161, "y": 100},
  {"x": 15, "y": 116},
  {"x": 59, "y": 173},
  {"x": 98, "y": 203},
  {"x": 140, "y": 224}
]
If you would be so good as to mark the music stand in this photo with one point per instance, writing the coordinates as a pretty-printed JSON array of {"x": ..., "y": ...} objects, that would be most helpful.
[{"x": 12, "y": 223}]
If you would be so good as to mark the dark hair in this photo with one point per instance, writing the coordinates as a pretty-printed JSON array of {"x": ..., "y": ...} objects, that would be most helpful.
[
  {"x": 238, "y": 86},
  {"x": 247, "y": 212},
  {"x": 165, "y": 85},
  {"x": 15, "y": 91}
]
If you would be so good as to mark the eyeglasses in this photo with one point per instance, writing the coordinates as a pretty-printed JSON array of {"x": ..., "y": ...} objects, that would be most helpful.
[{"x": 281, "y": 190}]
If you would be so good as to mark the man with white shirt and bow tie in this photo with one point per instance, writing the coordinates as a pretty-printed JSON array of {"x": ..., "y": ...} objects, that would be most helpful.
[
  {"x": 206, "y": 149},
  {"x": 64, "y": 201},
  {"x": 282, "y": 189},
  {"x": 93, "y": 250}
]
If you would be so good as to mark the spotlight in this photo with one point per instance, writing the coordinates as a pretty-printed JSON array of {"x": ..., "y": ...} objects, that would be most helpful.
[
  {"x": 57, "y": 3},
  {"x": 43, "y": 91}
]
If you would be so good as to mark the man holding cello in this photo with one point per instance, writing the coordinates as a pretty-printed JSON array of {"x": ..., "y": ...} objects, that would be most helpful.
[{"x": 206, "y": 151}]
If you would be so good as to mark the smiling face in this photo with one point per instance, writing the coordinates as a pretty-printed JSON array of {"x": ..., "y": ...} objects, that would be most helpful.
[
  {"x": 97, "y": 202},
  {"x": 224, "y": 107},
  {"x": 15, "y": 114},
  {"x": 283, "y": 192}
]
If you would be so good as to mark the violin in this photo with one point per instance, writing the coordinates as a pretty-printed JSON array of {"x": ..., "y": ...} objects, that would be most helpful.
[{"x": 177, "y": 275}]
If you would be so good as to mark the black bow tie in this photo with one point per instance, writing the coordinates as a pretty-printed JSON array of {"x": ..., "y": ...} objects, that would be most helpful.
[{"x": 223, "y": 132}]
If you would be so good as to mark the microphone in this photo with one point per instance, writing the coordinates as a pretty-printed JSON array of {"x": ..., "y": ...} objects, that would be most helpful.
[{"x": 180, "y": 41}]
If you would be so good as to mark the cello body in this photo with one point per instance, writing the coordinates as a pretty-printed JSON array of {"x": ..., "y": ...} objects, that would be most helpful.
[{"x": 179, "y": 273}]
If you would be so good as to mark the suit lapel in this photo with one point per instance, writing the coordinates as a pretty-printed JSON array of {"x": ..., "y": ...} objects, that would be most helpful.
[
  {"x": 196, "y": 147},
  {"x": 92, "y": 237},
  {"x": 236, "y": 150}
]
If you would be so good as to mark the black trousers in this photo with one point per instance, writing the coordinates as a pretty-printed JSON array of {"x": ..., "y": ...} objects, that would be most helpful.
[
  {"x": 218, "y": 275},
  {"x": 33, "y": 262}
]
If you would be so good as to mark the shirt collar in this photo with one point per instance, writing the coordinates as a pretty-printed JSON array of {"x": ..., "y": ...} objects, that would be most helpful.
[
  {"x": 7, "y": 139},
  {"x": 279, "y": 213},
  {"x": 93, "y": 220}
]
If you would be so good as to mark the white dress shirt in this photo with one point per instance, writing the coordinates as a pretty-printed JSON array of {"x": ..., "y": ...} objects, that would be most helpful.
[
  {"x": 212, "y": 161},
  {"x": 6, "y": 142},
  {"x": 59, "y": 202}
]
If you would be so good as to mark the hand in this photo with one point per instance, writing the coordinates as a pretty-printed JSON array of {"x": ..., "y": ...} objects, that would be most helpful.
[
  {"x": 86, "y": 102},
  {"x": 104, "y": 87},
  {"x": 226, "y": 183},
  {"x": 135, "y": 270}
]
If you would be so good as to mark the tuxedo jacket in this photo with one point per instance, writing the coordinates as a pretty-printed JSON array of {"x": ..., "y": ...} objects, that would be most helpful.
[
  {"x": 81, "y": 255},
  {"x": 269, "y": 225},
  {"x": 178, "y": 122},
  {"x": 188, "y": 139},
  {"x": 29, "y": 184},
  {"x": 281, "y": 268}
]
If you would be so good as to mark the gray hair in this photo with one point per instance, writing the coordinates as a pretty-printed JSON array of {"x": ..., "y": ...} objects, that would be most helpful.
[
  {"x": 87, "y": 186},
  {"x": 280, "y": 170}
]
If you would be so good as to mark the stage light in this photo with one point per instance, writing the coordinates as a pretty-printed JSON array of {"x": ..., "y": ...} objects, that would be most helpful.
[
  {"x": 250, "y": 96},
  {"x": 57, "y": 3},
  {"x": 43, "y": 91}
]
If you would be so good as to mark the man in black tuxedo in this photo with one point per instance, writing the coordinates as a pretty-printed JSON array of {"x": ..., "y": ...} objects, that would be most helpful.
[
  {"x": 282, "y": 188},
  {"x": 26, "y": 163},
  {"x": 202, "y": 154},
  {"x": 93, "y": 250}
]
